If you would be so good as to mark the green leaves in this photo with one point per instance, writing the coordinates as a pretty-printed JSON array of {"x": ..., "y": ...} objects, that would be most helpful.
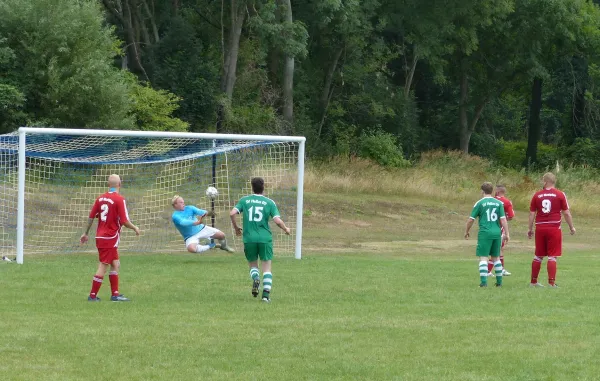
[
  {"x": 57, "y": 59},
  {"x": 151, "y": 109},
  {"x": 289, "y": 38}
]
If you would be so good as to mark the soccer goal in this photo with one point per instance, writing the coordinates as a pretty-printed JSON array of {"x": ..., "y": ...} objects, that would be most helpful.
[{"x": 49, "y": 179}]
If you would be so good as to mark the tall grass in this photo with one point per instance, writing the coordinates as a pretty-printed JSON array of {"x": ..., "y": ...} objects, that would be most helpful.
[{"x": 450, "y": 176}]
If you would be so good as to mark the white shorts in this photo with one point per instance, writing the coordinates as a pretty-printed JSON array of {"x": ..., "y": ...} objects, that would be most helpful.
[{"x": 207, "y": 232}]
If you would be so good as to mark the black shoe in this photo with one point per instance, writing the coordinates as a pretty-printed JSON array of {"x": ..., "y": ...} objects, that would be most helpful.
[
  {"x": 266, "y": 296},
  {"x": 255, "y": 286},
  {"x": 483, "y": 285},
  {"x": 498, "y": 285}
]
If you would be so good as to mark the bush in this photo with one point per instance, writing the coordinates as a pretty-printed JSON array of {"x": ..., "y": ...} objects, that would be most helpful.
[
  {"x": 454, "y": 162},
  {"x": 583, "y": 151},
  {"x": 383, "y": 148},
  {"x": 512, "y": 154},
  {"x": 484, "y": 145}
]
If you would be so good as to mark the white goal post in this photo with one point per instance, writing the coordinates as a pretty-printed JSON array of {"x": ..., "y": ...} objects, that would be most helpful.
[{"x": 49, "y": 178}]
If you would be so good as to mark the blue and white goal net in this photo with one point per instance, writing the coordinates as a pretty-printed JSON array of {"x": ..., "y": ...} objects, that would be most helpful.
[{"x": 64, "y": 173}]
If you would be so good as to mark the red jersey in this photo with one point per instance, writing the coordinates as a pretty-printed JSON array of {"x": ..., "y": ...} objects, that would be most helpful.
[
  {"x": 112, "y": 213},
  {"x": 548, "y": 205},
  {"x": 508, "y": 207}
]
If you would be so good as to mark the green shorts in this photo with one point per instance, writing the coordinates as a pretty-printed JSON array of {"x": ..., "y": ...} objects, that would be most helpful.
[
  {"x": 253, "y": 251},
  {"x": 488, "y": 247}
]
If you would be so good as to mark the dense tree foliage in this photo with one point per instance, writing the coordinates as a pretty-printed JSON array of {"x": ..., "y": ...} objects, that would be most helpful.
[{"x": 513, "y": 80}]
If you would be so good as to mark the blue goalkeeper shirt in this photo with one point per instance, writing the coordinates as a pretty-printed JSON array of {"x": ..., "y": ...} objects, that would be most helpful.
[{"x": 184, "y": 220}]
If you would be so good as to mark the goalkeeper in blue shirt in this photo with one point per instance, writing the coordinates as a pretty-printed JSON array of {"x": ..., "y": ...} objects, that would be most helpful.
[{"x": 188, "y": 221}]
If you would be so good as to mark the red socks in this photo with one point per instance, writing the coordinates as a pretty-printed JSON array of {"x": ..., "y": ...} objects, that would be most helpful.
[
  {"x": 113, "y": 276},
  {"x": 536, "y": 265},
  {"x": 96, "y": 283},
  {"x": 551, "y": 266}
]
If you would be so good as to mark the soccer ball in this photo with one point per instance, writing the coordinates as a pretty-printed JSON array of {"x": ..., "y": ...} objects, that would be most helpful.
[{"x": 212, "y": 192}]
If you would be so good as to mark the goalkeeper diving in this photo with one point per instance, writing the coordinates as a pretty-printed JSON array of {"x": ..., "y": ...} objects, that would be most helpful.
[{"x": 189, "y": 222}]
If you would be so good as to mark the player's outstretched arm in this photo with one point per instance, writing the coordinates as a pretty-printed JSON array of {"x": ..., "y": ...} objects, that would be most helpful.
[
  {"x": 470, "y": 222},
  {"x": 132, "y": 227},
  {"x": 531, "y": 220},
  {"x": 279, "y": 222},
  {"x": 569, "y": 220},
  {"x": 84, "y": 237},
  {"x": 504, "y": 224},
  {"x": 232, "y": 215}
]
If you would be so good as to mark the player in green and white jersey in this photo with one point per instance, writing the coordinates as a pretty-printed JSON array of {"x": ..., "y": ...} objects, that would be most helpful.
[
  {"x": 256, "y": 210},
  {"x": 490, "y": 212}
]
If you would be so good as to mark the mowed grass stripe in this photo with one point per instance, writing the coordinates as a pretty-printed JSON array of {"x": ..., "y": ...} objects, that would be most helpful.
[{"x": 339, "y": 316}]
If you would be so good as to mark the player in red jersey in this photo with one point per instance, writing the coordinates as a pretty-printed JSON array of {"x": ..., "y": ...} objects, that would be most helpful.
[
  {"x": 510, "y": 214},
  {"x": 112, "y": 214},
  {"x": 546, "y": 209}
]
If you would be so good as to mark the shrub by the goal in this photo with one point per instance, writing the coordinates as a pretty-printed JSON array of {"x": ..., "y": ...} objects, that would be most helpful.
[{"x": 49, "y": 179}]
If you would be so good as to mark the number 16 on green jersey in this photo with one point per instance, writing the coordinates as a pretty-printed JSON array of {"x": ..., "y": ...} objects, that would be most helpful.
[{"x": 489, "y": 211}]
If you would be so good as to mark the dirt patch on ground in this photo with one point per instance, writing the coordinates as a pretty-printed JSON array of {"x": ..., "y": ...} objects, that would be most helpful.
[
  {"x": 358, "y": 223},
  {"x": 375, "y": 224}
]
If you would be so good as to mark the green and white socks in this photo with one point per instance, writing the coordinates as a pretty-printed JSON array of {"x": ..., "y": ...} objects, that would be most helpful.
[
  {"x": 267, "y": 283},
  {"x": 483, "y": 271},
  {"x": 498, "y": 272}
]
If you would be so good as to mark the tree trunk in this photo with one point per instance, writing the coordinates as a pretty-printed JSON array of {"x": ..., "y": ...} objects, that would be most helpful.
[
  {"x": 273, "y": 59},
  {"x": 467, "y": 127},
  {"x": 288, "y": 72},
  {"x": 133, "y": 48},
  {"x": 228, "y": 75},
  {"x": 410, "y": 75},
  {"x": 121, "y": 9},
  {"x": 581, "y": 73},
  {"x": 463, "y": 117},
  {"x": 535, "y": 124},
  {"x": 238, "y": 14},
  {"x": 140, "y": 24},
  {"x": 326, "y": 94},
  {"x": 152, "y": 21}
]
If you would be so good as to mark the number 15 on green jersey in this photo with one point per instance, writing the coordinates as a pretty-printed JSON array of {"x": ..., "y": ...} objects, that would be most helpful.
[{"x": 256, "y": 211}]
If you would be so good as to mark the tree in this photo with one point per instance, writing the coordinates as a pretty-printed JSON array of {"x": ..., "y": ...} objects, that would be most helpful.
[
  {"x": 341, "y": 30},
  {"x": 283, "y": 37},
  {"x": 459, "y": 43},
  {"x": 137, "y": 19},
  {"x": 65, "y": 67},
  {"x": 480, "y": 64},
  {"x": 552, "y": 31},
  {"x": 288, "y": 71},
  {"x": 11, "y": 99},
  {"x": 65, "y": 74}
]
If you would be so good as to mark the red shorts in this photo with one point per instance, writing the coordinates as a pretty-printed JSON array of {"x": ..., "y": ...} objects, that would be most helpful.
[
  {"x": 548, "y": 242},
  {"x": 108, "y": 255}
]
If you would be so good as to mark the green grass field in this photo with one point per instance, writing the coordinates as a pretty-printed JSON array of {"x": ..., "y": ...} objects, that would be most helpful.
[{"x": 387, "y": 290}]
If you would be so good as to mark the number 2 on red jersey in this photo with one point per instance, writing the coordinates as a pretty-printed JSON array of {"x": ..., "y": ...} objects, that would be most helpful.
[{"x": 104, "y": 208}]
